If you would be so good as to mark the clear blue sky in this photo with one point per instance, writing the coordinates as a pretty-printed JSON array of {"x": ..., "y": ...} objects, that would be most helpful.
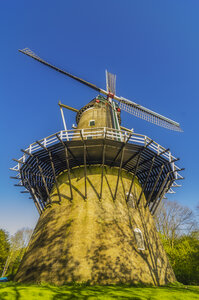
[{"x": 152, "y": 46}]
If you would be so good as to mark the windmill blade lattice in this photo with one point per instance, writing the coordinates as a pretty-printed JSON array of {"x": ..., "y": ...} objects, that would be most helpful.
[
  {"x": 110, "y": 83},
  {"x": 30, "y": 53},
  {"x": 147, "y": 115},
  {"x": 125, "y": 104}
]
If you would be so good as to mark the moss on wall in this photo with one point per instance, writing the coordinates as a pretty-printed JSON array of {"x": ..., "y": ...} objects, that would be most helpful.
[{"x": 92, "y": 240}]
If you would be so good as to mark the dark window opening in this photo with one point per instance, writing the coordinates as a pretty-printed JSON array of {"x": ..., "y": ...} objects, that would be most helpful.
[{"x": 91, "y": 122}]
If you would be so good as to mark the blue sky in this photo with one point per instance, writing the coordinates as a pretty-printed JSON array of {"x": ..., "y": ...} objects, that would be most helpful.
[{"x": 152, "y": 47}]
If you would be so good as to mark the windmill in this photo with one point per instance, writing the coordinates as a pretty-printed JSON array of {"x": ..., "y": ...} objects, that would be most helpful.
[{"x": 96, "y": 188}]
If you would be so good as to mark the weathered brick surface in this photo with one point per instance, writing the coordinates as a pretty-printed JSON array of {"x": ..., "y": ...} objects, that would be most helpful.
[{"x": 92, "y": 240}]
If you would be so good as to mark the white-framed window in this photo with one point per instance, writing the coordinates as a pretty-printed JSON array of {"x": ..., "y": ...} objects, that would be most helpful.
[
  {"x": 91, "y": 122},
  {"x": 131, "y": 201},
  {"x": 139, "y": 239},
  {"x": 89, "y": 137}
]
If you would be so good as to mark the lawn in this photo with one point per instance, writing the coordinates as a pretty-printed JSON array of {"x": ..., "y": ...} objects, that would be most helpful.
[{"x": 11, "y": 291}]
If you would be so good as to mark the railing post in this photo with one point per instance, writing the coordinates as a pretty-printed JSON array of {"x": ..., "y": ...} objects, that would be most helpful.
[
  {"x": 61, "y": 135},
  {"x": 67, "y": 138},
  {"x": 158, "y": 150},
  {"x": 170, "y": 156}
]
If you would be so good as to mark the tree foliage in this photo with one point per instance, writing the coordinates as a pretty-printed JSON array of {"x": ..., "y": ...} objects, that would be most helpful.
[
  {"x": 184, "y": 257},
  {"x": 173, "y": 220},
  {"x": 18, "y": 244},
  {"x": 4, "y": 248},
  {"x": 180, "y": 237}
]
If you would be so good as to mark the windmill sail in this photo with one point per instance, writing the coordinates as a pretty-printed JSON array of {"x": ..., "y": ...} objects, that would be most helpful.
[
  {"x": 110, "y": 83},
  {"x": 147, "y": 114},
  {"x": 30, "y": 53},
  {"x": 125, "y": 104}
]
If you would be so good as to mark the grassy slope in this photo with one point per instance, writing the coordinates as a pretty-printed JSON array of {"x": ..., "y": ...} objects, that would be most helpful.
[{"x": 21, "y": 291}]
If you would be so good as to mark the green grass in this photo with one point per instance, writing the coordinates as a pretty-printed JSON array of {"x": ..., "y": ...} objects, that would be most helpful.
[{"x": 11, "y": 291}]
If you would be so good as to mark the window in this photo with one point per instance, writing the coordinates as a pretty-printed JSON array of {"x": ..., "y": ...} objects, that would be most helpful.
[
  {"x": 89, "y": 137},
  {"x": 130, "y": 202},
  {"x": 91, "y": 122},
  {"x": 139, "y": 239}
]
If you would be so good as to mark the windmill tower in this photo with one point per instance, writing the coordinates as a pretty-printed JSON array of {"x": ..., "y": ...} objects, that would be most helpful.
[{"x": 96, "y": 189}]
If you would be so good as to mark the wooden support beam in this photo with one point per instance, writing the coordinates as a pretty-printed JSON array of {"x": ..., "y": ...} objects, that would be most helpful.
[
  {"x": 27, "y": 184},
  {"x": 156, "y": 155},
  {"x": 67, "y": 165},
  {"x": 41, "y": 174},
  {"x": 167, "y": 187},
  {"x": 136, "y": 167},
  {"x": 102, "y": 174},
  {"x": 129, "y": 159},
  {"x": 41, "y": 200},
  {"x": 158, "y": 201},
  {"x": 146, "y": 180},
  {"x": 34, "y": 197},
  {"x": 53, "y": 168},
  {"x": 85, "y": 169},
  {"x": 45, "y": 148},
  {"x": 154, "y": 186},
  {"x": 132, "y": 182},
  {"x": 68, "y": 107},
  {"x": 164, "y": 151},
  {"x": 26, "y": 152},
  {"x": 44, "y": 182},
  {"x": 68, "y": 150},
  {"x": 157, "y": 167},
  {"x": 56, "y": 182},
  {"x": 18, "y": 161},
  {"x": 121, "y": 149},
  {"x": 180, "y": 178},
  {"x": 126, "y": 129},
  {"x": 179, "y": 170},
  {"x": 160, "y": 190},
  {"x": 37, "y": 159},
  {"x": 132, "y": 169},
  {"x": 119, "y": 171}
]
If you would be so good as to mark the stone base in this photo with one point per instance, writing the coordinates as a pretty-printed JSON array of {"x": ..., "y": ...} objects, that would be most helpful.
[{"x": 94, "y": 240}]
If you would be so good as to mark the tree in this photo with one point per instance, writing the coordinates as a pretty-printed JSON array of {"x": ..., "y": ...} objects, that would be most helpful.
[
  {"x": 4, "y": 249},
  {"x": 18, "y": 244},
  {"x": 173, "y": 220},
  {"x": 180, "y": 236},
  {"x": 184, "y": 257}
]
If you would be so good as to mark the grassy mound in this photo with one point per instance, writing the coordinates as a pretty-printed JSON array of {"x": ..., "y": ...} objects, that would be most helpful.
[{"x": 12, "y": 291}]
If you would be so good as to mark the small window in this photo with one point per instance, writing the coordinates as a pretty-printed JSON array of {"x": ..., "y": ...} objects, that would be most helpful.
[
  {"x": 91, "y": 122},
  {"x": 130, "y": 200},
  {"x": 89, "y": 137},
  {"x": 139, "y": 239}
]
